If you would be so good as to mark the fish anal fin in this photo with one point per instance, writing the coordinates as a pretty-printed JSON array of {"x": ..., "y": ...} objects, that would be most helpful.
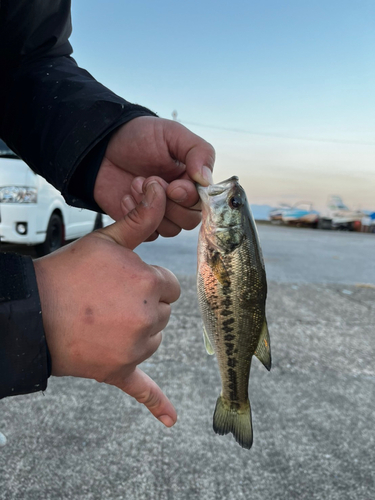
[
  {"x": 263, "y": 351},
  {"x": 207, "y": 343}
]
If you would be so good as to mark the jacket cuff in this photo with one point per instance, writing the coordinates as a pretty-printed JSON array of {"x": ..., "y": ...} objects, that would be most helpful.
[
  {"x": 24, "y": 357},
  {"x": 80, "y": 191}
]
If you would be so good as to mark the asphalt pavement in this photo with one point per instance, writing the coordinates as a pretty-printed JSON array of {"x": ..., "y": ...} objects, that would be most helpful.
[{"x": 313, "y": 414}]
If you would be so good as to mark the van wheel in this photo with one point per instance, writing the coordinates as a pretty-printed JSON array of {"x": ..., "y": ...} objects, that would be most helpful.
[
  {"x": 54, "y": 236},
  {"x": 324, "y": 224},
  {"x": 98, "y": 224}
]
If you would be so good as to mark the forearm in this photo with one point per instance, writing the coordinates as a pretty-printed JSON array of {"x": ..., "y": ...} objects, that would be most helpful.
[
  {"x": 53, "y": 113},
  {"x": 57, "y": 114},
  {"x": 24, "y": 357}
]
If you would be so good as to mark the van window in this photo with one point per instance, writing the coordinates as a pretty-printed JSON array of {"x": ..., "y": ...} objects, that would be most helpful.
[{"x": 6, "y": 152}]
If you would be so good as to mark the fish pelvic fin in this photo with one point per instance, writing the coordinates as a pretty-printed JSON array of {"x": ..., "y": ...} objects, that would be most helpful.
[
  {"x": 263, "y": 351},
  {"x": 207, "y": 343},
  {"x": 235, "y": 420}
]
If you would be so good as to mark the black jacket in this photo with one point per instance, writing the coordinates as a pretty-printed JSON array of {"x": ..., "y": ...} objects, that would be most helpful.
[{"x": 58, "y": 119}]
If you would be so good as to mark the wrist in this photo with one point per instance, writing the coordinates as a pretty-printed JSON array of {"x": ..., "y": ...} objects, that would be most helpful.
[{"x": 50, "y": 311}]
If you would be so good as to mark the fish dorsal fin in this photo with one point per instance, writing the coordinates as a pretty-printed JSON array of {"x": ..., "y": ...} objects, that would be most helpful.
[
  {"x": 263, "y": 351},
  {"x": 218, "y": 268},
  {"x": 207, "y": 343}
]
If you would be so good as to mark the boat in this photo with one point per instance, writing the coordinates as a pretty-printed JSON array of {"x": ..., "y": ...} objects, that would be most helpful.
[
  {"x": 276, "y": 213},
  {"x": 302, "y": 213},
  {"x": 338, "y": 216}
]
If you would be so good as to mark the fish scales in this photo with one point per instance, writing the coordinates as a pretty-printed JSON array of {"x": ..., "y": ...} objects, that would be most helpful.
[{"x": 232, "y": 290}]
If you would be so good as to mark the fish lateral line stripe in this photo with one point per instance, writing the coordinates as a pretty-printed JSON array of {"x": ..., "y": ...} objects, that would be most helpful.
[
  {"x": 229, "y": 337},
  {"x": 232, "y": 362},
  {"x": 228, "y": 329},
  {"x": 228, "y": 322},
  {"x": 230, "y": 349},
  {"x": 226, "y": 312}
]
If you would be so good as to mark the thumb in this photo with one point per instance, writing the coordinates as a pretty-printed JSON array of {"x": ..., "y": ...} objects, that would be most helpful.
[
  {"x": 142, "y": 221},
  {"x": 141, "y": 387}
]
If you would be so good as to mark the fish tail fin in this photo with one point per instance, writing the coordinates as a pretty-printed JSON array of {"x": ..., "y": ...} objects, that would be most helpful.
[{"x": 237, "y": 421}]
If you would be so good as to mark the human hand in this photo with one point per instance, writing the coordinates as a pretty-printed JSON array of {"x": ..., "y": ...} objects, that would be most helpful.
[
  {"x": 146, "y": 147},
  {"x": 104, "y": 308}
]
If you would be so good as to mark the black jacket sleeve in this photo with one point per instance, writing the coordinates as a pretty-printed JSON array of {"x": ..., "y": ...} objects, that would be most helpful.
[
  {"x": 58, "y": 119},
  {"x": 53, "y": 113},
  {"x": 24, "y": 357}
]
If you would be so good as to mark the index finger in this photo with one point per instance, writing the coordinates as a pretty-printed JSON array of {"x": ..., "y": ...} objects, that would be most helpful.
[
  {"x": 141, "y": 387},
  {"x": 196, "y": 153}
]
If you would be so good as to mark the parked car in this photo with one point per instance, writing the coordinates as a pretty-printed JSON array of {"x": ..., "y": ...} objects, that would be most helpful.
[{"x": 33, "y": 212}]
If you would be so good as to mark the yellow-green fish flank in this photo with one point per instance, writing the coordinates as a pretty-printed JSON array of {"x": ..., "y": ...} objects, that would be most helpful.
[{"x": 232, "y": 290}]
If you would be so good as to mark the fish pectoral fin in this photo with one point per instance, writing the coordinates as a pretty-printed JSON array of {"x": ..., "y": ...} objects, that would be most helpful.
[
  {"x": 207, "y": 343},
  {"x": 263, "y": 351}
]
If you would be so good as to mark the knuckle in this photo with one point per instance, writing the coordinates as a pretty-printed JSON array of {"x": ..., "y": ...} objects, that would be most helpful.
[
  {"x": 211, "y": 151},
  {"x": 153, "y": 279},
  {"x": 145, "y": 321},
  {"x": 166, "y": 314},
  {"x": 134, "y": 219},
  {"x": 170, "y": 232},
  {"x": 148, "y": 398},
  {"x": 192, "y": 221}
]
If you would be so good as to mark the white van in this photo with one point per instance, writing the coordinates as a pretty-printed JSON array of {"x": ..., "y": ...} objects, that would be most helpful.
[{"x": 33, "y": 212}]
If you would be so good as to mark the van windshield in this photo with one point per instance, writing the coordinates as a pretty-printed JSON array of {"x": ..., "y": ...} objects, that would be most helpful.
[{"x": 6, "y": 152}]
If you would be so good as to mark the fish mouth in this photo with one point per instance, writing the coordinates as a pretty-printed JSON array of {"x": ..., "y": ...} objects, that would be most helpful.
[{"x": 219, "y": 188}]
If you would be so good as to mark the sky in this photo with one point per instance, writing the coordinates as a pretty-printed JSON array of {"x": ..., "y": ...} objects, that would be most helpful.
[{"x": 283, "y": 89}]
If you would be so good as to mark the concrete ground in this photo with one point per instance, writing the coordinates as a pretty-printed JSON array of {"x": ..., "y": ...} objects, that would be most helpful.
[{"x": 313, "y": 414}]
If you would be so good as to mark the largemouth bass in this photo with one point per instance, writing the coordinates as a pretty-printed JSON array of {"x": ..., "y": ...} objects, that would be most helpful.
[{"x": 232, "y": 290}]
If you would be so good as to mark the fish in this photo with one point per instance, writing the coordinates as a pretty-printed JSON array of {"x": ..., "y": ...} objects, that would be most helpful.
[{"x": 232, "y": 291}]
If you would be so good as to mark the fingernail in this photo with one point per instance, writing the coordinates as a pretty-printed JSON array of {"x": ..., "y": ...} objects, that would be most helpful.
[
  {"x": 166, "y": 420},
  {"x": 178, "y": 194},
  {"x": 205, "y": 177},
  {"x": 207, "y": 174},
  {"x": 138, "y": 185},
  {"x": 150, "y": 193},
  {"x": 128, "y": 202}
]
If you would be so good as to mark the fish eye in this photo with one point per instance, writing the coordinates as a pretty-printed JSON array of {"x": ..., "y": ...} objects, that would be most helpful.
[{"x": 235, "y": 202}]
